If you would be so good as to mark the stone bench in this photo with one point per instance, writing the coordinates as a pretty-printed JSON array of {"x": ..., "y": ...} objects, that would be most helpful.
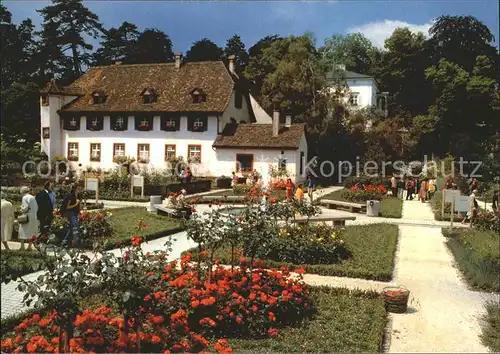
[
  {"x": 334, "y": 204},
  {"x": 336, "y": 220},
  {"x": 169, "y": 211}
]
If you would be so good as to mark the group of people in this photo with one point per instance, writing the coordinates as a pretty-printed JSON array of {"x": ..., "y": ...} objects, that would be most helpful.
[
  {"x": 413, "y": 187},
  {"x": 299, "y": 191},
  {"x": 37, "y": 214},
  {"x": 185, "y": 176},
  {"x": 178, "y": 202}
]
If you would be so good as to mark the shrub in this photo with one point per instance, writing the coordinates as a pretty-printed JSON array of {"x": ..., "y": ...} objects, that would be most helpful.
[
  {"x": 360, "y": 196},
  {"x": 94, "y": 225},
  {"x": 487, "y": 221},
  {"x": 319, "y": 244},
  {"x": 365, "y": 180}
]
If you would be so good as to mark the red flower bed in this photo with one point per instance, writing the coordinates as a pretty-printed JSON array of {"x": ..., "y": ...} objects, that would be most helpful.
[
  {"x": 370, "y": 188},
  {"x": 180, "y": 313},
  {"x": 278, "y": 184}
]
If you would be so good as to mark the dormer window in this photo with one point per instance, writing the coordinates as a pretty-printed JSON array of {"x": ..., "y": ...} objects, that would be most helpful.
[
  {"x": 198, "y": 96},
  {"x": 149, "y": 96},
  {"x": 98, "y": 97}
]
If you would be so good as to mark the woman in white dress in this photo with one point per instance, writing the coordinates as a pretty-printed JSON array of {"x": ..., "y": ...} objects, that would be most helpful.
[
  {"x": 7, "y": 222},
  {"x": 30, "y": 207}
]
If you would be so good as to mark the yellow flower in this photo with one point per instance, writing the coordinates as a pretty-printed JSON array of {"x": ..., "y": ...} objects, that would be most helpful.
[{"x": 333, "y": 235}]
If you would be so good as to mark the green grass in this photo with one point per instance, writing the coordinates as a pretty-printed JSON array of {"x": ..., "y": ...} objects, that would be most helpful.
[
  {"x": 372, "y": 248},
  {"x": 124, "y": 222},
  {"x": 477, "y": 254},
  {"x": 275, "y": 193},
  {"x": 20, "y": 262},
  {"x": 346, "y": 321},
  {"x": 491, "y": 327},
  {"x": 389, "y": 207}
]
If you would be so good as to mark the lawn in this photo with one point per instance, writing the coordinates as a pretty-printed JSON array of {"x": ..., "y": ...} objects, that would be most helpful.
[
  {"x": 389, "y": 207},
  {"x": 477, "y": 254},
  {"x": 347, "y": 321},
  {"x": 20, "y": 262},
  {"x": 124, "y": 222},
  {"x": 372, "y": 249},
  {"x": 491, "y": 327}
]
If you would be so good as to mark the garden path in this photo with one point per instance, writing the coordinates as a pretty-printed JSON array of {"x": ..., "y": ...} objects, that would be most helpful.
[{"x": 444, "y": 315}]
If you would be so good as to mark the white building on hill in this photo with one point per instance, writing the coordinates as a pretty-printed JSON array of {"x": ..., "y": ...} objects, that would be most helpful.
[{"x": 156, "y": 113}]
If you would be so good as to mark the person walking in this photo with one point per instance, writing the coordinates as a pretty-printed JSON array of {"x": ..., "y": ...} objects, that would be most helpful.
[
  {"x": 7, "y": 223},
  {"x": 310, "y": 188},
  {"x": 28, "y": 221},
  {"x": 299, "y": 193},
  {"x": 401, "y": 187},
  {"x": 70, "y": 208},
  {"x": 289, "y": 189},
  {"x": 394, "y": 186},
  {"x": 494, "y": 202},
  {"x": 410, "y": 188},
  {"x": 46, "y": 200},
  {"x": 422, "y": 196}
]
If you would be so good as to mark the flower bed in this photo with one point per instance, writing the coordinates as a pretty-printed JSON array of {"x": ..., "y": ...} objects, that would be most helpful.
[
  {"x": 477, "y": 254},
  {"x": 17, "y": 262},
  {"x": 368, "y": 260},
  {"x": 487, "y": 221},
  {"x": 363, "y": 193},
  {"x": 183, "y": 312}
]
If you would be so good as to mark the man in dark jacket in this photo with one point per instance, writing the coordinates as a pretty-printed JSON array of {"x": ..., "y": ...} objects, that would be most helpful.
[{"x": 46, "y": 203}]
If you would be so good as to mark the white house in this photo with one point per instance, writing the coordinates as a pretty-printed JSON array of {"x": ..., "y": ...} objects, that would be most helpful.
[
  {"x": 361, "y": 90},
  {"x": 156, "y": 113}
]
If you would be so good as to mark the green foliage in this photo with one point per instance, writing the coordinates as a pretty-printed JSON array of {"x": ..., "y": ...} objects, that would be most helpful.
[
  {"x": 306, "y": 245},
  {"x": 346, "y": 321},
  {"x": 391, "y": 208},
  {"x": 491, "y": 327},
  {"x": 360, "y": 196},
  {"x": 204, "y": 50},
  {"x": 152, "y": 46},
  {"x": 17, "y": 262},
  {"x": 116, "y": 44},
  {"x": 234, "y": 46},
  {"x": 477, "y": 254}
]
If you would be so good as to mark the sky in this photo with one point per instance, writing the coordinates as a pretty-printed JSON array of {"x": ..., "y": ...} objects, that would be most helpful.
[{"x": 188, "y": 21}]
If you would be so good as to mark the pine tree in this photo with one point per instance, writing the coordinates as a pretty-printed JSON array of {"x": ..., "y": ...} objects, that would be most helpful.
[
  {"x": 234, "y": 46},
  {"x": 152, "y": 46},
  {"x": 117, "y": 44}
]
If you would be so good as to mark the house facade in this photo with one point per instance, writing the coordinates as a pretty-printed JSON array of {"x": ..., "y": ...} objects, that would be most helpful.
[
  {"x": 360, "y": 91},
  {"x": 151, "y": 113}
]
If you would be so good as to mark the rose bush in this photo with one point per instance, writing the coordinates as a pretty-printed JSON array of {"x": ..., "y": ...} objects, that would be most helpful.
[
  {"x": 487, "y": 221},
  {"x": 181, "y": 312}
]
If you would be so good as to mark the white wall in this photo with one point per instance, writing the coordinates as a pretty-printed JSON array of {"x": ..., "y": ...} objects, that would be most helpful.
[
  {"x": 226, "y": 160},
  {"x": 57, "y": 145},
  {"x": 302, "y": 148},
  {"x": 366, "y": 90}
]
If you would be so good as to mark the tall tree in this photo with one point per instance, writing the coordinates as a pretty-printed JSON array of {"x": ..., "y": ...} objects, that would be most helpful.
[
  {"x": 66, "y": 23},
  {"x": 402, "y": 73},
  {"x": 117, "y": 44},
  {"x": 257, "y": 70},
  {"x": 234, "y": 46},
  {"x": 152, "y": 46},
  {"x": 353, "y": 50},
  {"x": 460, "y": 39},
  {"x": 18, "y": 45},
  {"x": 204, "y": 50},
  {"x": 293, "y": 76}
]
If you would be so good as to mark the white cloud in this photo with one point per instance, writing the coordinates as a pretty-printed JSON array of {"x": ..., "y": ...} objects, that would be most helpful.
[{"x": 379, "y": 31}]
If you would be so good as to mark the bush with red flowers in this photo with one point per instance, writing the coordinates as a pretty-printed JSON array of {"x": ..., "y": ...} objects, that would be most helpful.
[
  {"x": 362, "y": 193},
  {"x": 179, "y": 314},
  {"x": 278, "y": 184}
]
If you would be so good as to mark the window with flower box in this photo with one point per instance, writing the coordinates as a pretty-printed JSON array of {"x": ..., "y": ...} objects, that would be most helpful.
[
  {"x": 143, "y": 153},
  {"x": 197, "y": 124},
  {"x": 354, "y": 99},
  {"x": 118, "y": 150},
  {"x": 72, "y": 151},
  {"x": 144, "y": 123},
  {"x": 71, "y": 123},
  {"x": 119, "y": 122},
  {"x": 95, "y": 152},
  {"x": 170, "y": 152},
  {"x": 170, "y": 123},
  {"x": 95, "y": 123},
  {"x": 194, "y": 153}
]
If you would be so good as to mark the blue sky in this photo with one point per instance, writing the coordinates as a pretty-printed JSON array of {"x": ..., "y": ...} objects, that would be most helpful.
[{"x": 188, "y": 21}]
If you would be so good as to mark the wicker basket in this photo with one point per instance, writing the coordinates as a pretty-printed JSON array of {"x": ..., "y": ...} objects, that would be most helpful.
[{"x": 396, "y": 298}]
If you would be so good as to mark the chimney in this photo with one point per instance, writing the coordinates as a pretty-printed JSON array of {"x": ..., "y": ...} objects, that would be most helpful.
[
  {"x": 231, "y": 63},
  {"x": 177, "y": 60},
  {"x": 118, "y": 62},
  {"x": 288, "y": 121},
  {"x": 276, "y": 122}
]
